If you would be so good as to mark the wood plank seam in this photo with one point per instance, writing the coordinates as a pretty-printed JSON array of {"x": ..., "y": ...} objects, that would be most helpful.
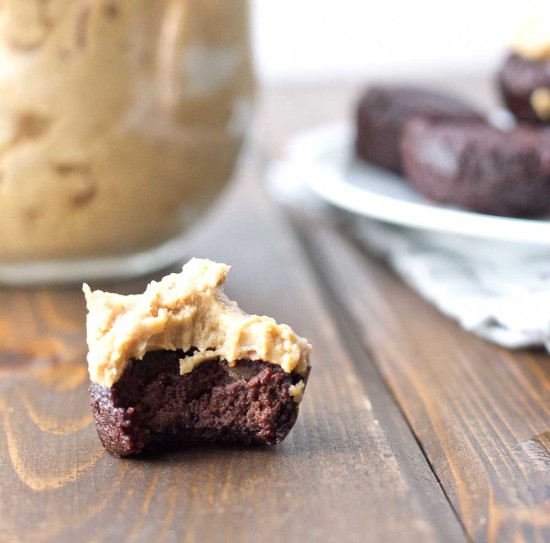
[
  {"x": 495, "y": 484},
  {"x": 348, "y": 329}
]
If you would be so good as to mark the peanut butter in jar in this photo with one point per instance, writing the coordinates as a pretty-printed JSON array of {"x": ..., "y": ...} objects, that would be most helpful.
[{"x": 120, "y": 122}]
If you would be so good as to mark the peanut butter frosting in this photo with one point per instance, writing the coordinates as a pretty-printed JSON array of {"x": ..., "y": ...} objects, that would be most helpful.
[
  {"x": 120, "y": 121},
  {"x": 533, "y": 39},
  {"x": 540, "y": 102},
  {"x": 187, "y": 311}
]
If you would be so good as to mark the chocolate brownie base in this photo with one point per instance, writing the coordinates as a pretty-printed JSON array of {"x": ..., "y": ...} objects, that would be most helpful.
[
  {"x": 153, "y": 407},
  {"x": 518, "y": 79},
  {"x": 383, "y": 112},
  {"x": 479, "y": 167}
]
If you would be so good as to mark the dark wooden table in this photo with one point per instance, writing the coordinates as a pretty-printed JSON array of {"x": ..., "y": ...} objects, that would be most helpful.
[{"x": 411, "y": 429}]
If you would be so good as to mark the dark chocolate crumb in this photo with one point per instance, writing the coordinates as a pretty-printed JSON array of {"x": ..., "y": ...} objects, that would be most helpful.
[{"x": 153, "y": 407}]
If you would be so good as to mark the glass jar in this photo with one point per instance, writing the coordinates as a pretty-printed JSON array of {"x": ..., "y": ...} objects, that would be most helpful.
[{"x": 120, "y": 122}]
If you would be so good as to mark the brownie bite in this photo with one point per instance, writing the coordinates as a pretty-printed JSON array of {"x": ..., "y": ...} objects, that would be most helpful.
[
  {"x": 524, "y": 78},
  {"x": 181, "y": 364},
  {"x": 525, "y": 88},
  {"x": 479, "y": 167},
  {"x": 383, "y": 112}
]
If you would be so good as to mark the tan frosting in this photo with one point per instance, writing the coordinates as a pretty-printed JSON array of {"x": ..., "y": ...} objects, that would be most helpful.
[
  {"x": 297, "y": 391},
  {"x": 185, "y": 311},
  {"x": 540, "y": 102},
  {"x": 533, "y": 39},
  {"x": 120, "y": 120}
]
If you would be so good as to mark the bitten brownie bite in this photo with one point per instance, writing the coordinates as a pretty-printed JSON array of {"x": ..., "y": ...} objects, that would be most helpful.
[
  {"x": 383, "y": 111},
  {"x": 524, "y": 78},
  {"x": 182, "y": 364},
  {"x": 479, "y": 167}
]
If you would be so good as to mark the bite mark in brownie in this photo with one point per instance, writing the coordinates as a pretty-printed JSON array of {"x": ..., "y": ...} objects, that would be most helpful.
[
  {"x": 154, "y": 407},
  {"x": 182, "y": 364}
]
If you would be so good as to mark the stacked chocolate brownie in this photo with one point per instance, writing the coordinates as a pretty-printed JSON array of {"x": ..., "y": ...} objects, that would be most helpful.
[{"x": 452, "y": 155}]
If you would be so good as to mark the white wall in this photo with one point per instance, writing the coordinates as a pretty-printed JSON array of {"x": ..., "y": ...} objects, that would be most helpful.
[{"x": 331, "y": 39}]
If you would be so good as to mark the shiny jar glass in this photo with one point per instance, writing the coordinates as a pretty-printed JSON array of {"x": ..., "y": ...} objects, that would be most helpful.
[{"x": 120, "y": 122}]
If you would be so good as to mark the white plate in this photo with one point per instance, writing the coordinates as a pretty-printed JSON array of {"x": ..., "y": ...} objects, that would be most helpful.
[{"x": 335, "y": 175}]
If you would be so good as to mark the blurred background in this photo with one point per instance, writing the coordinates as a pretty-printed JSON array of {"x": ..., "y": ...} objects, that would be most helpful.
[{"x": 324, "y": 40}]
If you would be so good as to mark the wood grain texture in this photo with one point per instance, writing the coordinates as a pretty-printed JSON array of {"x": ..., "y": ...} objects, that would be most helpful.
[
  {"x": 411, "y": 429},
  {"x": 351, "y": 470},
  {"x": 481, "y": 413}
]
